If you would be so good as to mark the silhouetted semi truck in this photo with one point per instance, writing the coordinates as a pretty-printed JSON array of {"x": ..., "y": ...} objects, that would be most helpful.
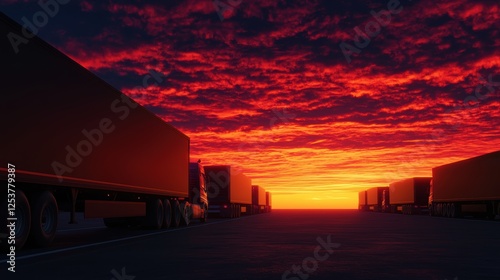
[
  {"x": 258, "y": 199},
  {"x": 229, "y": 191},
  {"x": 72, "y": 142},
  {"x": 362, "y": 206},
  {"x": 470, "y": 186},
  {"x": 268, "y": 202},
  {"x": 377, "y": 199},
  {"x": 410, "y": 196}
]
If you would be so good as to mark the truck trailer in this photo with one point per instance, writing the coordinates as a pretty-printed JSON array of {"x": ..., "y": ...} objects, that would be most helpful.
[
  {"x": 410, "y": 196},
  {"x": 470, "y": 186},
  {"x": 377, "y": 199},
  {"x": 258, "y": 199},
  {"x": 72, "y": 142},
  {"x": 229, "y": 191}
]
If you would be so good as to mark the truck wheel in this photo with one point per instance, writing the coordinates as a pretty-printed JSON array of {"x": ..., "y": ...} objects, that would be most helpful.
[
  {"x": 186, "y": 217},
  {"x": 167, "y": 213},
  {"x": 204, "y": 218},
  {"x": 23, "y": 223},
  {"x": 438, "y": 209},
  {"x": 154, "y": 214},
  {"x": 44, "y": 219},
  {"x": 176, "y": 213},
  {"x": 453, "y": 210}
]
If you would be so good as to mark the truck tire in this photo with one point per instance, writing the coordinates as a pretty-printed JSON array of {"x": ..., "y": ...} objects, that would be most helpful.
[
  {"x": 44, "y": 217},
  {"x": 204, "y": 218},
  {"x": 455, "y": 210},
  {"x": 23, "y": 223},
  {"x": 186, "y": 217},
  {"x": 451, "y": 210},
  {"x": 167, "y": 213},
  {"x": 154, "y": 214},
  {"x": 450, "y": 215},
  {"x": 176, "y": 213},
  {"x": 438, "y": 209}
]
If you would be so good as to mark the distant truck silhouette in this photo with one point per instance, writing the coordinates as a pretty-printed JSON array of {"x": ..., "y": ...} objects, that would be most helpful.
[
  {"x": 229, "y": 191},
  {"x": 258, "y": 199},
  {"x": 269, "y": 203},
  {"x": 72, "y": 142},
  {"x": 377, "y": 199},
  {"x": 362, "y": 201},
  {"x": 410, "y": 196},
  {"x": 470, "y": 186},
  {"x": 374, "y": 199}
]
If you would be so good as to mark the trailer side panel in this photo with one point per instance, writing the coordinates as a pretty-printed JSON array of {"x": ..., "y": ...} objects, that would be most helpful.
[
  {"x": 241, "y": 189},
  {"x": 402, "y": 192},
  {"x": 472, "y": 179}
]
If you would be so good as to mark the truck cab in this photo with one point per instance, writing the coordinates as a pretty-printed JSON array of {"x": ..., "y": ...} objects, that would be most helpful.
[
  {"x": 198, "y": 191},
  {"x": 385, "y": 204},
  {"x": 430, "y": 200}
]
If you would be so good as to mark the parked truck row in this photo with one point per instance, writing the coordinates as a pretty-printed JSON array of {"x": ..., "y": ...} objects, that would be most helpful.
[
  {"x": 465, "y": 187},
  {"x": 232, "y": 194},
  {"x": 71, "y": 142}
]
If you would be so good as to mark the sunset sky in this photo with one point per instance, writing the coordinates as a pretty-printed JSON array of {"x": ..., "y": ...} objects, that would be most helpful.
[{"x": 265, "y": 85}]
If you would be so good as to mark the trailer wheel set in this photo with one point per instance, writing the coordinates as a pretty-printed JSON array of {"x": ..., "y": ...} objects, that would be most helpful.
[
  {"x": 454, "y": 209},
  {"x": 36, "y": 219},
  {"x": 23, "y": 223},
  {"x": 450, "y": 210},
  {"x": 235, "y": 211}
]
